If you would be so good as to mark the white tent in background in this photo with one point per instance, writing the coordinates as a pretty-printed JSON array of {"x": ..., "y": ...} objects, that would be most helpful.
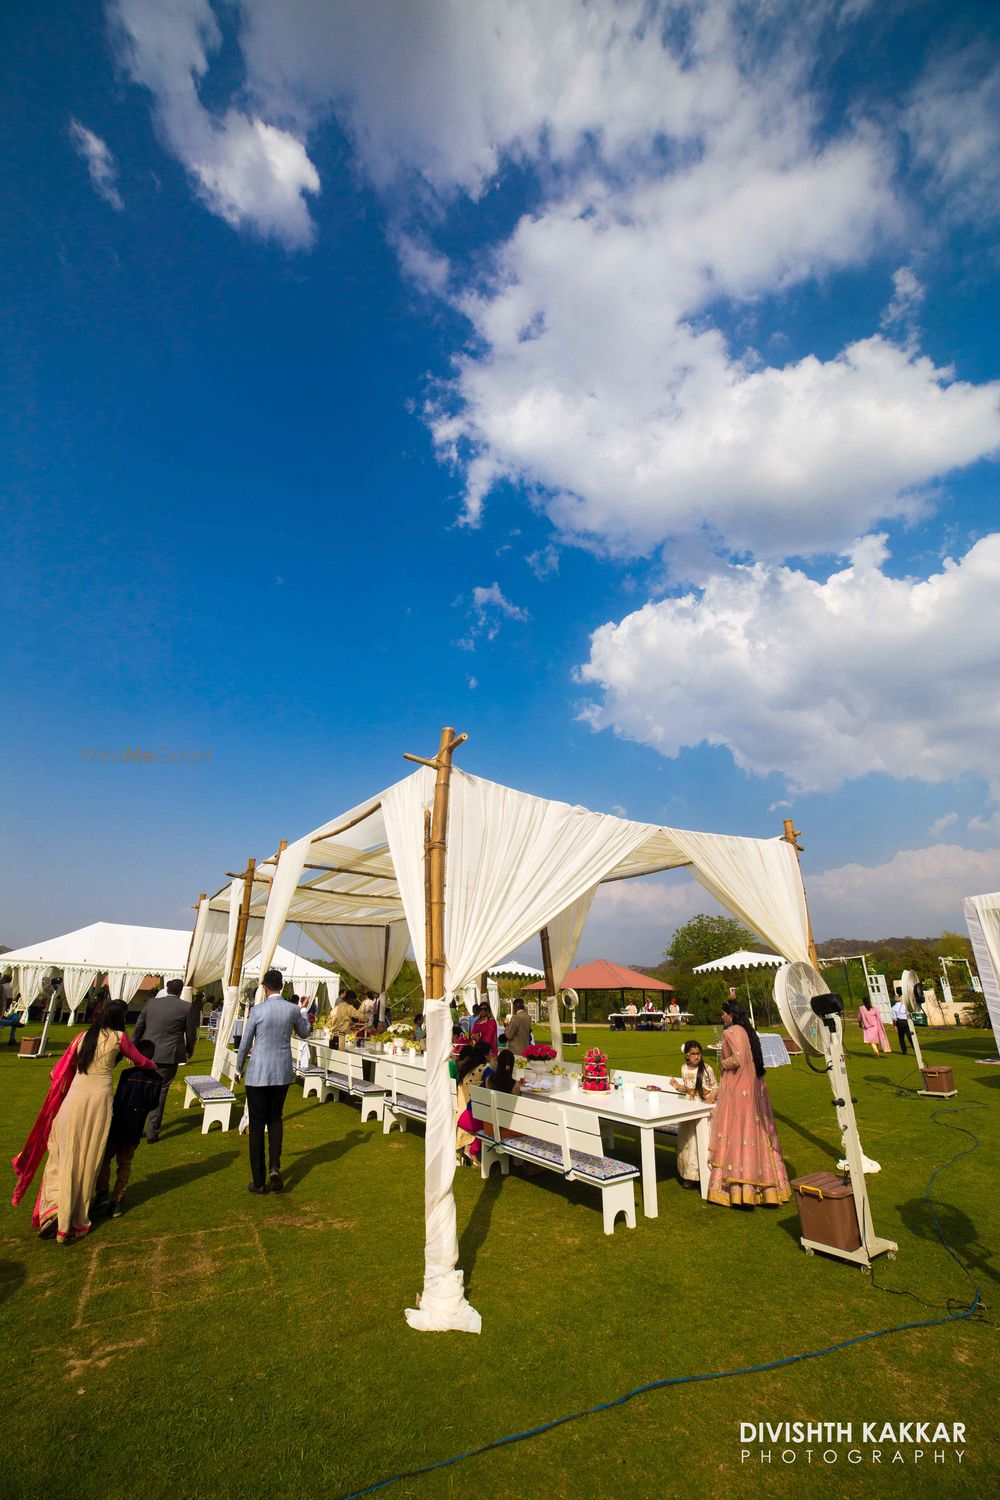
[
  {"x": 127, "y": 955},
  {"x": 487, "y": 868},
  {"x": 741, "y": 959}
]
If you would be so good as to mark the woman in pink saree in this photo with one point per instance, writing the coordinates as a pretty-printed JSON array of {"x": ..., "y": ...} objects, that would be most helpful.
[
  {"x": 744, "y": 1153},
  {"x": 871, "y": 1026},
  {"x": 73, "y": 1126}
]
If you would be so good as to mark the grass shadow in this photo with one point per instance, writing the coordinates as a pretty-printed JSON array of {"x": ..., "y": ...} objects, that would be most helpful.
[
  {"x": 330, "y": 1151},
  {"x": 158, "y": 1184},
  {"x": 12, "y": 1275},
  {"x": 814, "y": 1140},
  {"x": 476, "y": 1230},
  {"x": 959, "y": 1231}
]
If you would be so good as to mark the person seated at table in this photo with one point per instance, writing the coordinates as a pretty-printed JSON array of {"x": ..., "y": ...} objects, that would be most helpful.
[
  {"x": 346, "y": 1017},
  {"x": 631, "y": 1011},
  {"x": 484, "y": 1028},
  {"x": 502, "y": 1077},
  {"x": 469, "y": 1072},
  {"x": 697, "y": 1081},
  {"x": 419, "y": 1031},
  {"x": 649, "y": 1007},
  {"x": 673, "y": 1015}
]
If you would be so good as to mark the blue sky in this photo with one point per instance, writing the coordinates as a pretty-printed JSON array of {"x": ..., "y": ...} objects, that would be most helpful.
[{"x": 616, "y": 383}]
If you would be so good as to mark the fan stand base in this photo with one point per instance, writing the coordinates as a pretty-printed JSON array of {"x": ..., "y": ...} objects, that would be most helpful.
[
  {"x": 861, "y": 1257},
  {"x": 932, "y": 1094}
]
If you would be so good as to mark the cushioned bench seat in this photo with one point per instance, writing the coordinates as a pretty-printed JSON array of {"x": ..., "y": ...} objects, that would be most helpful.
[
  {"x": 216, "y": 1099},
  {"x": 599, "y": 1168}
]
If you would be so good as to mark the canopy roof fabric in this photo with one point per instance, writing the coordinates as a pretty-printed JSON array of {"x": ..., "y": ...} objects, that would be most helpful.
[
  {"x": 741, "y": 959},
  {"x": 602, "y": 974}
]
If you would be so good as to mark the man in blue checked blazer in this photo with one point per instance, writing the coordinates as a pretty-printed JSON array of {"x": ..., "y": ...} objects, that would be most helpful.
[{"x": 268, "y": 1031}]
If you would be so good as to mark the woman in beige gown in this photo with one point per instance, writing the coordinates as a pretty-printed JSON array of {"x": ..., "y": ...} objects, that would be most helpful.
[{"x": 80, "y": 1131}]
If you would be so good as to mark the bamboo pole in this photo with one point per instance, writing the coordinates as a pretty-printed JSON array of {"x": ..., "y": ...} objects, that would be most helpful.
[
  {"x": 791, "y": 836},
  {"x": 427, "y": 902},
  {"x": 385, "y": 960},
  {"x": 243, "y": 921},
  {"x": 437, "y": 858}
]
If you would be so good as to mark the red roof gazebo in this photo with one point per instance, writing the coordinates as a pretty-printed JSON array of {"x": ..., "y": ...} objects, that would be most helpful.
[{"x": 602, "y": 974}]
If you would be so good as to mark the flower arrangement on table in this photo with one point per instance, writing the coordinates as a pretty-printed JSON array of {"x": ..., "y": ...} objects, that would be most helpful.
[
  {"x": 595, "y": 1071},
  {"x": 401, "y": 1029},
  {"x": 538, "y": 1052}
]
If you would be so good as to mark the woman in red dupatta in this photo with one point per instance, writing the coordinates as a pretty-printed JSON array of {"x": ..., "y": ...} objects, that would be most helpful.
[{"x": 27, "y": 1161}]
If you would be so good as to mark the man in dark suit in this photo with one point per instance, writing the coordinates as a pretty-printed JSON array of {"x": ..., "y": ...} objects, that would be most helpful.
[{"x": 171, "y": 1024}]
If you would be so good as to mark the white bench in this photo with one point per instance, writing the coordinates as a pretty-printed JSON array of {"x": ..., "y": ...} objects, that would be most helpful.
[
  {"x": 215, "y": 1098},
  {"x": 404, "y": 1087},
  {"x": 346, "y": 1075},
  {"x": 557, "y": 1136}
]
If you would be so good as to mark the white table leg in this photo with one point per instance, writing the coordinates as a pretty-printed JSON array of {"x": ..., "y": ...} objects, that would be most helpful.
[
  {"x": 647, "y": 1144},
  {"x": 701, "y": 1135}
]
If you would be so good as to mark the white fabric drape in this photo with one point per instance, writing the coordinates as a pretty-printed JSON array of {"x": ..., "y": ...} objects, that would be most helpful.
[
  {"x": 124, "y": 983},
  {"x": 565, "y": 932},
  {"x": 982, "y": 917},
  {"x": 230, "y": 993},
  {"x": 208, "y": 948},
  {"x": 307, "y": 987},
  {"x": 29, "y": 983},
  {"x": 363, "y": 951},
  {"x": 76, "y": 983},
  {"x": 758, "y": 880},
  {"x": 286, "y": 878}
]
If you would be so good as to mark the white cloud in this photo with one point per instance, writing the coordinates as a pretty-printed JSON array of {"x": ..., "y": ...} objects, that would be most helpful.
[
  {"x": 820, "y": 681},
  {"x": 101, "y": 165},
  {"x": 250, "y": 172},
  {"x": 953, "y": 120},
  {"x": 917, "y": 892},
  {"x": 489, "y": 608},
  {"x": 686, "y": 170},
  {"x": 941, "y": 824},
  {"x": 544, "y": 562},
  {"x": 990, "y": 824}
]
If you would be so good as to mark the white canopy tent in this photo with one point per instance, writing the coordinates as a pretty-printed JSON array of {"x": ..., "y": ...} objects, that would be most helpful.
[
  {"x": 473, "y": 870},
  {"x": 982, "y": 917},
  {"x": 128, "y": 955},
  {"x": 743, "y": 958}
]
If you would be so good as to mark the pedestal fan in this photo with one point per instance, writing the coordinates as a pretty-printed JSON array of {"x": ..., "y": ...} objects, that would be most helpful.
[{"x": 814, "y": 1018}]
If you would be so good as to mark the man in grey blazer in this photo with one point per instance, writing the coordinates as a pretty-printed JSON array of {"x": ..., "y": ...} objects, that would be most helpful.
[
  {"x": 268, "y": 1031},
  {"x": 171, "y": 1024}
]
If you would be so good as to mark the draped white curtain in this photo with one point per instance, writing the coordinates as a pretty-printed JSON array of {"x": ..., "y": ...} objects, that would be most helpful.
[
  {"x": 230, "y": 992},
  {"x": 208, "y": 947},
  {"x": 124, "y": 983},
  {"x": 362, "y": 950},
  {"x": 565, "y": 932},
  {"x": 76, "y": 983},
  {"x": 29, "y": 983},
  {"x": 982, "y": 917},
  {"x": 758, "y": 880},
  {"x": 291, "y": 862}
]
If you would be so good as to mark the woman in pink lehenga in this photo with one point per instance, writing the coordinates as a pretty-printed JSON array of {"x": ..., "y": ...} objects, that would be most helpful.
[
  {"x": 744, "y": 1153},
  {"x": 871, "y": 1025},
  {"x": 74, "y": 1121}
]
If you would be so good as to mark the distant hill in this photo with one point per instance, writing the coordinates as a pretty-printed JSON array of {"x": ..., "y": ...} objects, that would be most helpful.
[{"x": 839, "y": 947}]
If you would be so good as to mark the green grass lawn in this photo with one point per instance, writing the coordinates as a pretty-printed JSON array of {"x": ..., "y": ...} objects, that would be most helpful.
[{"x": 213, "y": 1344}]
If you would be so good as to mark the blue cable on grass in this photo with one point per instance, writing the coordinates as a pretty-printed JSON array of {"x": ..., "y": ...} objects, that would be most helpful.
[{"x": 774, "y": 1364}]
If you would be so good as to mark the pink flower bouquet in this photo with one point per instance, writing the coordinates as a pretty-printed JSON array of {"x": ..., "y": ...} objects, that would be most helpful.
[{"x": 539, "y": 1052}]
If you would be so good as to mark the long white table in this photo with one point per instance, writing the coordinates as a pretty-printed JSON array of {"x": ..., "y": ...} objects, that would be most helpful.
[
  {"x": 645, "y": 1112},
  {"x": 658, "y": 1019}
]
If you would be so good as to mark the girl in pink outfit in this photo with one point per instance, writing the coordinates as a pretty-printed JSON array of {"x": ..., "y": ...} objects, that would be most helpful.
[
  {"x": 871, "y": 1025},
  {"x": 744, "y": 1153},
  {"x": 485, "y": 1029}
]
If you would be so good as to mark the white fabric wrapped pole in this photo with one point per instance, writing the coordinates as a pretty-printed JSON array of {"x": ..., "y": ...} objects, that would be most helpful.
[
  {"x": 230, "y": 993},
  {"x": 29, "y": 982}
]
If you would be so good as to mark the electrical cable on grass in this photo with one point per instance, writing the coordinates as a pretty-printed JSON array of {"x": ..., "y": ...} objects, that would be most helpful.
[{"x": 970, "y": 1311}]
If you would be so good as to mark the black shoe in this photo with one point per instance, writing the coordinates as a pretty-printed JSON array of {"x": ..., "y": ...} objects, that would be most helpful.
[
  {"x": 102, "y": 1203},
  {"x": 253, "y": 1188},
  {"x": 48, "y": 1231},
  {"x": 275, "y": 1181},
  {"x": 117, "y": 1208},
  {"x": 151, "y": 1140}
]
